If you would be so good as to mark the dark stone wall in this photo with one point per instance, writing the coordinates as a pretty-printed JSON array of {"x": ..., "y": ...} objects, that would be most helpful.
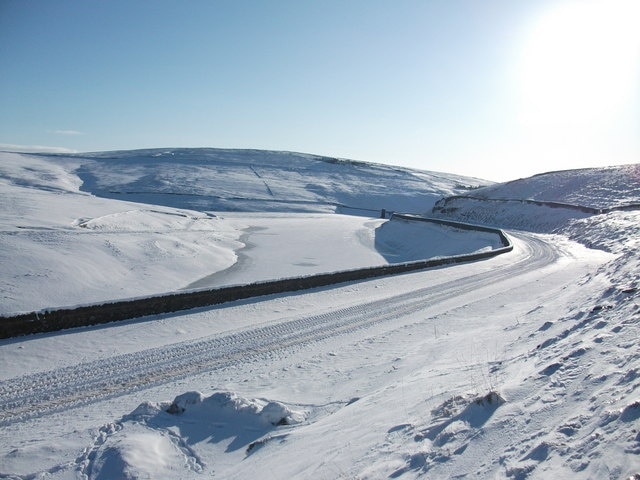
[{"x": 61, "y": 319}]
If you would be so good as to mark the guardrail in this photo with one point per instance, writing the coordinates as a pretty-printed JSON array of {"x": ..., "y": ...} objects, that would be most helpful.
[{"x": 64, "y": 318}]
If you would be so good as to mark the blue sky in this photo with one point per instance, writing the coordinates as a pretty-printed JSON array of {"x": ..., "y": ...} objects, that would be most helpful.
[{"x": 497, "y": 89}]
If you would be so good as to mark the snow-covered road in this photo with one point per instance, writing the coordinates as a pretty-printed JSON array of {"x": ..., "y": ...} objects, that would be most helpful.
[
  {"x": 30, "y": 394},
  {"x": 351, "y": 341}
]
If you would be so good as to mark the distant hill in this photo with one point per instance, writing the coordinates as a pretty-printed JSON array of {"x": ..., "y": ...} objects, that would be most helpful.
[
  {"x": 591, "y": 187},
  {"x": 547, "y": 202},
  {"x": 256, "y": 180}
]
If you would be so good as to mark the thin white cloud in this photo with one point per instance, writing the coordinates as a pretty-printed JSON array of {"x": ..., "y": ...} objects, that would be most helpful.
[
  {"x": 8, "y": 147},
  {"x": 68, "y": 132}
]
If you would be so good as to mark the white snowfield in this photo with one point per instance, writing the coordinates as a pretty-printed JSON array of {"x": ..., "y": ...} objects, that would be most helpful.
[
  {"x": 525, "y": 365},
  {"x": 75, "y": 248}
]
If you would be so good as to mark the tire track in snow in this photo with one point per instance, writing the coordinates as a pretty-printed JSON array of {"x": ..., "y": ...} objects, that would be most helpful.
[{"x": 37, "y": 394}]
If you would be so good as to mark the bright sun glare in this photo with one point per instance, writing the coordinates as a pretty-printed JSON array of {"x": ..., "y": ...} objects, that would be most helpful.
[{"x": 580, "y": 64}]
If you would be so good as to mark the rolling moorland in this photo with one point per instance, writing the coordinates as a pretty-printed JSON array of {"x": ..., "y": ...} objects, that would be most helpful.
[{"x": 524, "y": 365}]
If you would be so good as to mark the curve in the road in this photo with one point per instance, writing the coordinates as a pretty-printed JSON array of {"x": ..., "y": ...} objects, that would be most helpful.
[
  {"x": 51, "y": 320},
  {"x": 37, "y": 394}
]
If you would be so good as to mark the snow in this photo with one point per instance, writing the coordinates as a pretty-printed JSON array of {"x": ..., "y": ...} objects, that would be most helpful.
[
  {"x": 590, "y": 187},
  {"x": 75, "y": 248},
  {"x": 521, "y": 366}
]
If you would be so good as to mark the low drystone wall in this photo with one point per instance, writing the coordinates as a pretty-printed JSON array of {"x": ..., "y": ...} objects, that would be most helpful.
[{"x": 81, "y": 316}]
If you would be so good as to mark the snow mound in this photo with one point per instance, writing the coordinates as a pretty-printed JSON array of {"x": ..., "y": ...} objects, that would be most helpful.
[
  {"x": 218, "y": 417},
  {"x": 138, "y": 454},
  {"x": 228, "y": 406},
  {"x": 157, "y": 440}
]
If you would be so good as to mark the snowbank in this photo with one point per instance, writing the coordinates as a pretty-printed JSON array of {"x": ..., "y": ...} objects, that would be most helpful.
[{"x": 160, "y": 440}]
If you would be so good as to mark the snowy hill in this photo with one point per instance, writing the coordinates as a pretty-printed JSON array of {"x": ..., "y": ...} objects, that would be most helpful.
[
  {"x": 94, "y": 227},
  {"x": 547, "y": 202},
  {"x": 258, "y": 180},
  {"x": 523, "y": 366},
  {"x": 589, "y": 187}
]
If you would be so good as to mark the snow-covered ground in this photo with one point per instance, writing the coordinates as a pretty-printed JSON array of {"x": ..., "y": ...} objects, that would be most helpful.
[
  {"x": 522, "y": 366},
  {"x": 73, "y": 247},
  {"x": 589, "y": 187}
]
